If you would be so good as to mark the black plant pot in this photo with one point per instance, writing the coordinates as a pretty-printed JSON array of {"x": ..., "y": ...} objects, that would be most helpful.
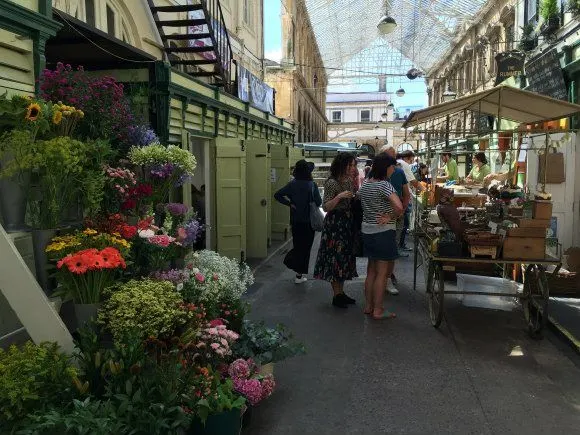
[
  {"x": 247, "y": 417},
  {"x": 528, "y": 44}
]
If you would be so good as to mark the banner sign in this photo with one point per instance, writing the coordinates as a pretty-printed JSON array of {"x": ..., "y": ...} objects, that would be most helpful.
[
  {"x": 195, "y": 30},
  {"x": 254, "y": 91},
  {"x": 545, "y": 76},
  {"x": 509, "y": 64}
]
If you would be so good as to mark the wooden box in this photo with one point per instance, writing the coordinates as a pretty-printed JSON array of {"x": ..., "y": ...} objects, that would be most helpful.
[
  {"x": 534, "y": 232},
  {"x": 542, "y": 209},
  {"x": 524, "y": 248},
  {"x": 516, "y": 211},
  {"x": 531, "y": 223}
]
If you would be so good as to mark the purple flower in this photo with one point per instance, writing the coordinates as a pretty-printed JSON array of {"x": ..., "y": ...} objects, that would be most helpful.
[
  {"x": 193, "y": 230},
  {"x": 141, "y": 135},
  {"x": 176, "y": 209},
  {"x": 239, "y": 369},
  {"x": 175, "y": 276},
  {"x": 163, "y": 171}
]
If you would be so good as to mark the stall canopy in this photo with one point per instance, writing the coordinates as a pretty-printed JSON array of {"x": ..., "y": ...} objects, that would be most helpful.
[{"x": 503, "y": 102}]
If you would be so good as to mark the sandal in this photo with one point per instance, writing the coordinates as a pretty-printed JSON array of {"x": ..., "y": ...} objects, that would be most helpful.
[
  {"x": 385, "y": 315},
  {"x": 368, "y": 312}
]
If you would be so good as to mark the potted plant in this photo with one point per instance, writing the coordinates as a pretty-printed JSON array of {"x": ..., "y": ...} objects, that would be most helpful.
[
  {"x": 574, "y": 7},
  {"x": 84, "y": 275},
  {"x": 528, "y": 41},
  {"x": 551, "y": 15},
  {"x": 219, "y": 411},
  {"x": 265, "y": 345}
]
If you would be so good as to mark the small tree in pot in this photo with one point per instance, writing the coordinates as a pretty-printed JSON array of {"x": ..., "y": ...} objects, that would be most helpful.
[
  {"x": 528, "y": 41},
  {"x": 551, "y": 15}
]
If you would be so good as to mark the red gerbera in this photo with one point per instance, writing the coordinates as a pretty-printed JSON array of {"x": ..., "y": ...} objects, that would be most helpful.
[{"x": 128, "y": 231}]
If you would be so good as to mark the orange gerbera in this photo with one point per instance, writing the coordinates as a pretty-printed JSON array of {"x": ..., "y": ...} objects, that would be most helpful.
[{"x": 32, "y": 112}]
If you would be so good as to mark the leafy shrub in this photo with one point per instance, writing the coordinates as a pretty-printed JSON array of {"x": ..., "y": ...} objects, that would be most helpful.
[
  {"x": 152, "y": 307},
  {"x": 32, "y": 377}
]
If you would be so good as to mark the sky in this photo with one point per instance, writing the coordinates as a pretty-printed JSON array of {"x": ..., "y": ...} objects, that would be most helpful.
[{"x": 415, "y": 91}]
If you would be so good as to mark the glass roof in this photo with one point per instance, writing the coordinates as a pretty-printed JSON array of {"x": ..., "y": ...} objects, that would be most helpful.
[{"x": 346, "y": 30}]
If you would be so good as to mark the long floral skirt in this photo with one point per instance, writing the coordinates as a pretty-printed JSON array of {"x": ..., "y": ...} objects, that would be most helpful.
[{"x": 336, "y": 260}]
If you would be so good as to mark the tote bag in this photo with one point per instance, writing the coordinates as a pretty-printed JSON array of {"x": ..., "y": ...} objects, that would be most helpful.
[{"x": 316, "y": 216}]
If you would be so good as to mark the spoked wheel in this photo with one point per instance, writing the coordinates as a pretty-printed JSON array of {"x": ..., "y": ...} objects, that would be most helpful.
[
  {"x": 535, "y": 300},
  {"x": 435, "y": 293}
]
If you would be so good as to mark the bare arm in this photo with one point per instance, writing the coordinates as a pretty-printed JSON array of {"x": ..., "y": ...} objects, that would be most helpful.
[
  {"x": 406, "y": 196},
  {"x": 332, "y": 203}
]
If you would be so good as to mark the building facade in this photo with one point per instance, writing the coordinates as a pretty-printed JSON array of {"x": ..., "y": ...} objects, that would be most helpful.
[
  {"x": 182, "y": 103},
  {"x": 360, "y": 118},
  {"x": 300, "y": 79}
]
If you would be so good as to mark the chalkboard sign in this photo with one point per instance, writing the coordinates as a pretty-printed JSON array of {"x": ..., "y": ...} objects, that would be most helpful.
[{"x": 545, "y": 77}]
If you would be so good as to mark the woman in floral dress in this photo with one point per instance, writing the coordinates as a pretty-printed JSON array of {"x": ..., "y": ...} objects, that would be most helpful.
[{"x": 336, "y": 262}]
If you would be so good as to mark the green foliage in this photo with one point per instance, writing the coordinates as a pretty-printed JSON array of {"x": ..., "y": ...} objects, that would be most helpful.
[
  {"x": 265, "y": 345},
  {"x": 12, "y": 111},
  {"x": 16, "y": 152},
  {"x": 225, "y": 399},
  {"x": 549, "y": 9},
  {"x": 152, "y": 307},
  {"x": 32, "y": 378},
  {"x": 574, "y": 7}
]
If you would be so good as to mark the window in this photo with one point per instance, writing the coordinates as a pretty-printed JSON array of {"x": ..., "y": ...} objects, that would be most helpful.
[
  {"x": 531, "y": 11},
  {"x": 336, "y": 116},
  {"x": 90, "y": 12},
  {"x": 248, "y": 12},
  {"x": 365, "y": 115},
  {"x": 110, "y": 21}
]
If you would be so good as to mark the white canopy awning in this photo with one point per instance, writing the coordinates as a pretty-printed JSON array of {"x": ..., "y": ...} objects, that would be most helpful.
[{"x": 503, "y": 102}]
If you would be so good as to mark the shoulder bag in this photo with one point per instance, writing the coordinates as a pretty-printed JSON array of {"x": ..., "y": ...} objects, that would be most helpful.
[{"x": 316, "y": 216}]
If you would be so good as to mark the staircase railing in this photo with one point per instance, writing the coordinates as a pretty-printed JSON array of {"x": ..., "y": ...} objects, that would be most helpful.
[{"x": 221, "y": 41}]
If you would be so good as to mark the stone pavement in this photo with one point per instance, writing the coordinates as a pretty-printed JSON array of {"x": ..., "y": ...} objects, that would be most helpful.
[
  {"x": 478, "y": 374},
  {"x": 564, "y": 315}
]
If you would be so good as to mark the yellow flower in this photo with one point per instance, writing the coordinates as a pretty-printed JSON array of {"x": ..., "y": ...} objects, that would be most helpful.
[
  {"x": 57, "y": 117},
  {"x": 121, "y": 242},
  {"x": 81, "y": 114},
  {"x": 58, "y": 246},
  {"x": 66, "y": 113},
  {"x": 32, "y": 112},
  {"x": 89, "y": 232}
]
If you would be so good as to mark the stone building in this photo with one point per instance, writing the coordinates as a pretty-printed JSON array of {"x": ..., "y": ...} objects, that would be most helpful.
[{"x": 300, "y": 79}]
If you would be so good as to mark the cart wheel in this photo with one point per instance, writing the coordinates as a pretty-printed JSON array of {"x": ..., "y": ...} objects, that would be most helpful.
[
  {"x": 435, "y": 293},
  {"x": 535, "y": 300}
]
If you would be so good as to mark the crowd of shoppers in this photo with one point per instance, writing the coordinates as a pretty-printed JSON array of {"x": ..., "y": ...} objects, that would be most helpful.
[{"x": 382, "y": 194}]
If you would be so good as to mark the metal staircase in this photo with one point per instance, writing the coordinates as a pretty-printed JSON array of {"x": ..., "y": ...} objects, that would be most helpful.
[{"x": 196, "y": 39}]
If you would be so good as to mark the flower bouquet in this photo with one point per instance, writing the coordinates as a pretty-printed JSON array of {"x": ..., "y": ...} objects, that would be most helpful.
[
  {"x": 84, "y": 274},
  {"x": 166, "y": 167},
  {"x": 61, "y": 246},
  {"x": 249, "y": 383}
]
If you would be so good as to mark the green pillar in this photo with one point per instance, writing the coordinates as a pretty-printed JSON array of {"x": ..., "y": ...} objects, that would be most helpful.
[{"x": 160, "y": 99}]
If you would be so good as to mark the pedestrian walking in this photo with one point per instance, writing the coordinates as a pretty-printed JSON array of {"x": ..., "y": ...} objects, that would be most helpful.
[
  {"x": 298, "y": 194},
  {"x": 336, "y": 262},
  {"x": 381, "y": 208}
]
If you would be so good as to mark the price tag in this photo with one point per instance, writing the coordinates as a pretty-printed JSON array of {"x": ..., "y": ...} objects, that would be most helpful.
[{"x": 493, "y": 227}]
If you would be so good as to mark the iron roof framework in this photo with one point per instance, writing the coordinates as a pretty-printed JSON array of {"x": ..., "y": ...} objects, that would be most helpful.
[{"x": 352, "y": 48}]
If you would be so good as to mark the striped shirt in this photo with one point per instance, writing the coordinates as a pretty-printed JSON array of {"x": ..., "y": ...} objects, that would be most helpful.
[{"x": 375, "y": 202}]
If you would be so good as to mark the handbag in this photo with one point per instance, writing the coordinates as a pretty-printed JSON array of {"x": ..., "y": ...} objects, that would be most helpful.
[{"x": 316, "y": 216}]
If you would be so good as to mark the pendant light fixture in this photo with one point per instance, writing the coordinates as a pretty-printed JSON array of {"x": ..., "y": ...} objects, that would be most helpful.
[
  {"x": 400, "y": 92},
  {"x": 387, "y": 24}
]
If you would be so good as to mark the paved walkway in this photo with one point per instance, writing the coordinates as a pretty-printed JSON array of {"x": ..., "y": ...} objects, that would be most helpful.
[{"x": 478, "y": 374}]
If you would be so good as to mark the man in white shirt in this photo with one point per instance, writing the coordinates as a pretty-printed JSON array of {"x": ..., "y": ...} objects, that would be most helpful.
[{"x": 404, "y": 160}]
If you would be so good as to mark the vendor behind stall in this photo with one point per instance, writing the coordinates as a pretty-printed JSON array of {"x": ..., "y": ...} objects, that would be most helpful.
[
  {"x": 480, "y": 169},
  {"x": 506, "y": 173},
  {"x": 448, "y": 214},
  {"x": 450, "y": 167}
]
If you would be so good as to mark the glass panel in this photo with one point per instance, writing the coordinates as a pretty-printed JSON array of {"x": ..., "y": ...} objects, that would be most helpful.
[
  {"x": 336, "y": 116},
  {"x": 110, "y": 21},
  {"x": 90, "y": 12},
  {"x": 365, "y": 116}
]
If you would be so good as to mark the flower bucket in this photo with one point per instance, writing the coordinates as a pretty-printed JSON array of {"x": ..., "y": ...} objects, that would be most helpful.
[
  {"x": 40, "y": 240},
  {"x": 13, "y": 201},
  {"x": 267, "y": 369},
  {"x": 85, "y": 312},
  {"x": 225, "y": 423},
  {"x": 247, "y": 416}
]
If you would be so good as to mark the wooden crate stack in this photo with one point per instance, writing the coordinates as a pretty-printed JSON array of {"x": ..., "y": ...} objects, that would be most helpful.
[{"x": 528, "y": 240}]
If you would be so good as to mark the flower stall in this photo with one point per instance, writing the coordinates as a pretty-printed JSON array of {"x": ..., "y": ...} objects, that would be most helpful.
[{"x": 162, "y": 343}]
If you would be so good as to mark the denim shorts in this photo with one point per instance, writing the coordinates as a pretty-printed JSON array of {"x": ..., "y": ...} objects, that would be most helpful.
[{"x": 380, "y": 246}]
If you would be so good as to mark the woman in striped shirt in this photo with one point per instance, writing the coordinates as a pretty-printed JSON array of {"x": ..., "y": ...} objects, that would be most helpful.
[{"x": 381, "y": 207}]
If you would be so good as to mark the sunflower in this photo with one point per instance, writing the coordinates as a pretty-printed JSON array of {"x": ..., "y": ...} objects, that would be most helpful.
[
  {"x": 32, "y": 112},
  {"x": 57, "y": 117}
]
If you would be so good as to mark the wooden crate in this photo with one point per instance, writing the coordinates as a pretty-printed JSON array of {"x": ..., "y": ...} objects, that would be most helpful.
[
  {"x": 524, "y": 248},
  {"x": 483, "y": 251},
  {"x": 530, "y": 223},
  {"x": 534, "y": 232},
  {"x": 542, "y": 209}
]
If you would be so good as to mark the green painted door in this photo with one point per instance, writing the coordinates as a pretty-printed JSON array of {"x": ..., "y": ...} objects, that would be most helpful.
[
  {"x": 280, "y": 175},
  {"x": 230, "y": 191},
  {"x": 257, "y": 197}
]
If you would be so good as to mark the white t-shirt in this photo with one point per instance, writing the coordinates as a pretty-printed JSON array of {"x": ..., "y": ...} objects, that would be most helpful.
[{"x": 407, "y": 168}]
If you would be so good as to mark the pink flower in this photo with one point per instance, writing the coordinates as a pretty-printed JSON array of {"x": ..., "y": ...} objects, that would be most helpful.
[
  {"x": 161, "y": 240},
  {"x": 199, "y": 277},
  {"x": 212, "y": 331},
  {"x": 216, "y": 322},
  {"x": 215, "y": 346},
  {"x": 215, "y": 277},
  {"x": 252, "y": 390},
  {"x": 239, "y": 369},
  {"x": 224, "y": 341},
  {"x": 268, "y": 385}
]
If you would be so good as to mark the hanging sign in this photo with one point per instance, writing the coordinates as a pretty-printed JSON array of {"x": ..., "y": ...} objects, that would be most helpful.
[
  {"x": 545, "y": 77},
  {"x": 509, "y": 64},
  {"x": 254, "y": 91}
]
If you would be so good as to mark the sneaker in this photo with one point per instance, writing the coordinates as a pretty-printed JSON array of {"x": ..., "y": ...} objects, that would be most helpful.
[
  {"x": 339, "y": 302},
  {"x": 405, "y": 248},
  {"x": 347, "y": 299},
  {"x": 391, "y": 288},
  {"x": 300, "y": 280}
]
